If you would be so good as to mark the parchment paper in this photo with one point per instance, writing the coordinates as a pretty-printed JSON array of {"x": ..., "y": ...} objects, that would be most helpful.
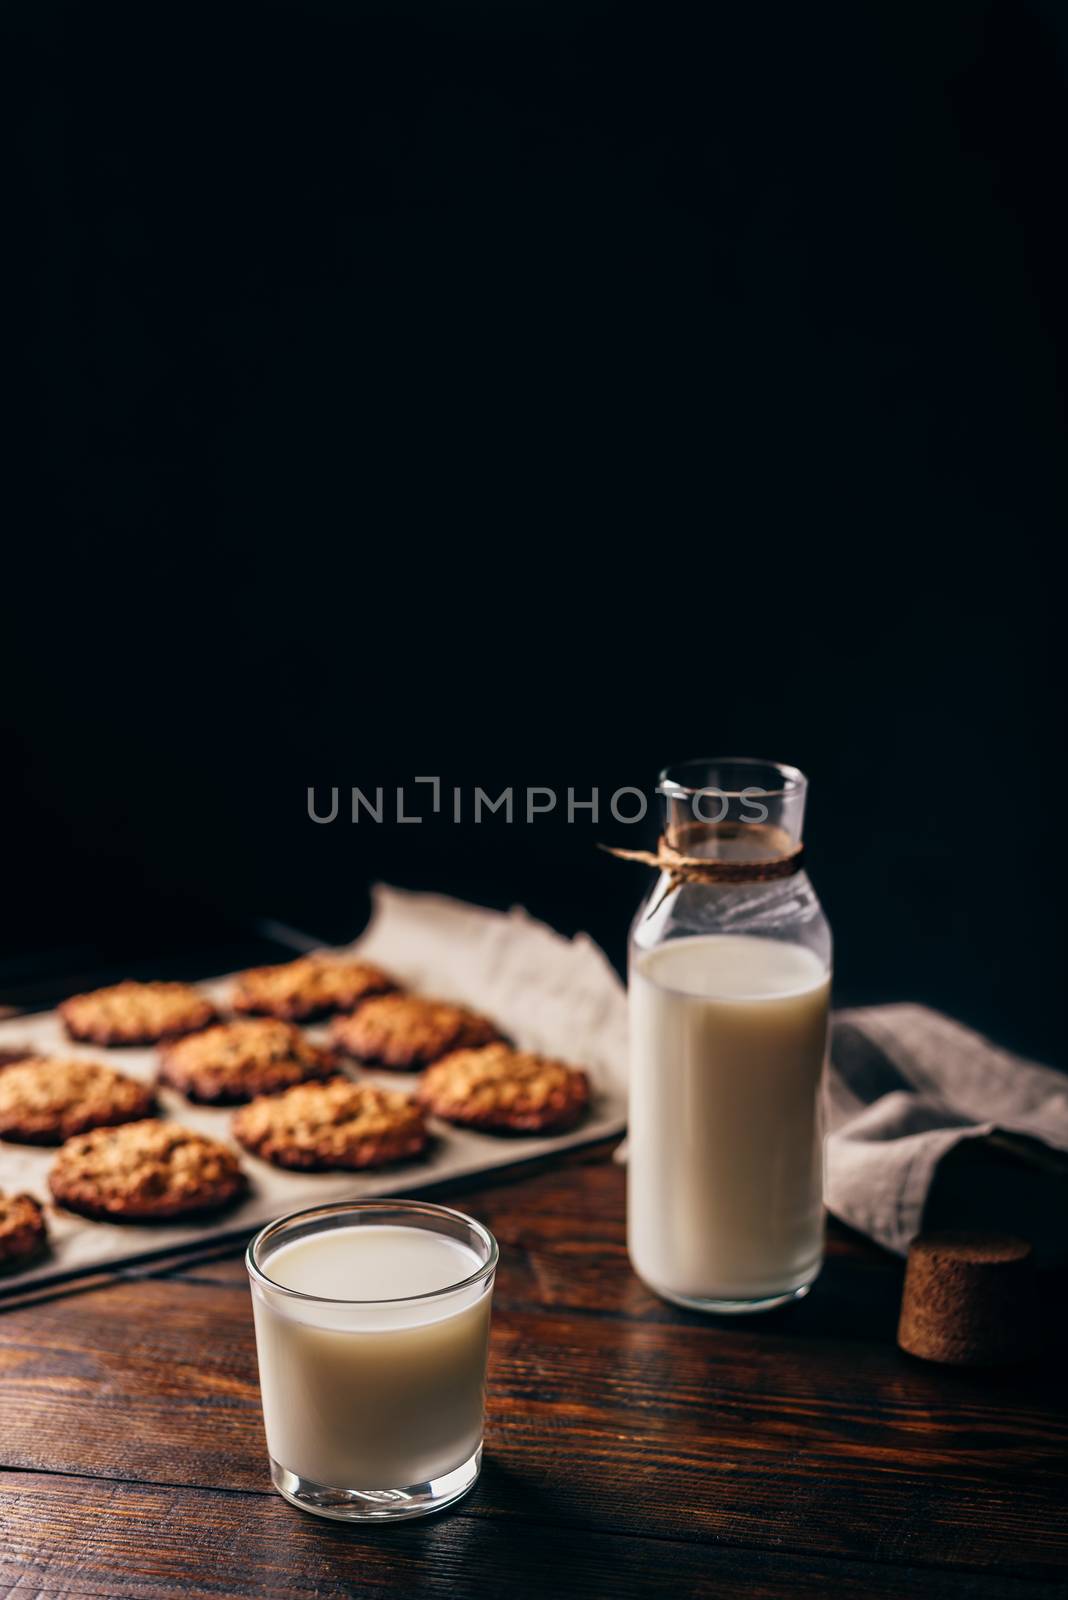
[{"x": 551, "y": 994}]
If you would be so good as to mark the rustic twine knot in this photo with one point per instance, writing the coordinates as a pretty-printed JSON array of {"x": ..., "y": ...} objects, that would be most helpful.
[{"x": 682, "y": 868}]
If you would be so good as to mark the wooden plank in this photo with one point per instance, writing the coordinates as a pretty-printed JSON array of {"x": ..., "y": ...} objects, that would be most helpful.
[
  {"x": 686, "y": 1430},
  {"x": 92, "y": 1540}
]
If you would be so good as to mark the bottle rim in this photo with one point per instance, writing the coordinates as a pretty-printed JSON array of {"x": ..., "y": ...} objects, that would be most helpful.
[{"x": 672, "y": 782}]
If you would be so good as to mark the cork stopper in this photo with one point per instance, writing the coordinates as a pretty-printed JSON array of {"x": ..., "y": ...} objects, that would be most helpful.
[{"x": 969, "y": 1299}]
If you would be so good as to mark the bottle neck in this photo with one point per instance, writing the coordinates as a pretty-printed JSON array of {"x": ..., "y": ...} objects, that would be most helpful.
[
  {"x": 735, "y": 809},
  {"x": 738, "y": 842}
]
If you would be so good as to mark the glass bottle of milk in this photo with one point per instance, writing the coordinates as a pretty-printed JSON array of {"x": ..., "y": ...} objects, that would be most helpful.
[{"x": 730, "y": 976}]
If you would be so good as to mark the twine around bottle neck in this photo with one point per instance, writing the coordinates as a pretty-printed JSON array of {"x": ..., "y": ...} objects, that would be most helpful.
[{"x": 786, "y": 857}]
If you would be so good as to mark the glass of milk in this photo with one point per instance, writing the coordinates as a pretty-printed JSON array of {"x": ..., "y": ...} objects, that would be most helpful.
[
  {"x": 730, "y": 980},
  {"x": 372, "y": 1325}
]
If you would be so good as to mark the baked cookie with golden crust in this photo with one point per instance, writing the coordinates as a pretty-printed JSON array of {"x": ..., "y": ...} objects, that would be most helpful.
[
  {"x": 236, "y": 1061},
  {"x": 501, "y": 1090},
  {"x": 319, "y": 1126},
  {"x": 44, "y": 1100},
  {"x": 403, "y": 1031},
  {"x": 136, "y": 1013},
  {"x": 23, "y": 1234},
  {"x": 311, "y": 986},
  {"x": 145, "y": 1172}
]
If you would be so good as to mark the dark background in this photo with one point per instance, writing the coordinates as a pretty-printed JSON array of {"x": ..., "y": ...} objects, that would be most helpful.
[{"x": 535, "y": 393}]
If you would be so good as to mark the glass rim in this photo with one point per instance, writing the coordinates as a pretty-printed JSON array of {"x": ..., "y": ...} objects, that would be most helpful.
[
  {"x": 418, "y": 1207},
  {"x": 793, "y": 779}
]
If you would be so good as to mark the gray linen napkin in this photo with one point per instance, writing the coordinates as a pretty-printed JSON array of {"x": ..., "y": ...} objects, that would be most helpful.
[{"x": 907, "y": 1090}]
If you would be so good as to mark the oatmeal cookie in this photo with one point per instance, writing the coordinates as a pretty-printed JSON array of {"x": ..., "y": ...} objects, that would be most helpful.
[
  {"x": 145, "y": 1172},
  {"x": 405, "y": 1031},
  {"x": 318, "y": 1126},
  {"x": 136, "y": 1013},
  {"x": 309, "y": 987},
  {"x": 505, "y": 1091},
  {"x": 23, "y": 1234},
  {"x": 236, "y": 1061},
  {"x": 44, "y": 1100}
]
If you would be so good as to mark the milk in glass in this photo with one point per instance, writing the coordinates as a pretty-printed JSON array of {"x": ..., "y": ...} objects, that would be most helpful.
[{"x": 372, "y": 1342}]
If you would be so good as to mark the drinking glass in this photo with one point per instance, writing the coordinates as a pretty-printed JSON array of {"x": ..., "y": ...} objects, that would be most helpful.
[{"x": 373, "y": 1408}]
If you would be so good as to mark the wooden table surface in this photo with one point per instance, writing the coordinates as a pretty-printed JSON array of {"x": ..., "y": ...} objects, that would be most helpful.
[{"x": 632, "y": 1448}]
